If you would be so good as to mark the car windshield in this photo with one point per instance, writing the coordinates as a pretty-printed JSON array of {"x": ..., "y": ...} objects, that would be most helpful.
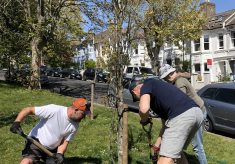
[{"x": 144, "y": 70}]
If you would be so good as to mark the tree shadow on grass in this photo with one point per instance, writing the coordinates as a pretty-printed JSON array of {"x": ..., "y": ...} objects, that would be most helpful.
[
  {"x": 192, "y": 159},
  {"x": 6, "y": 120},
  {"x": 78, "y": 160}
]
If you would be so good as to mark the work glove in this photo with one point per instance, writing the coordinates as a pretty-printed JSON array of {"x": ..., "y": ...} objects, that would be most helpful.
[
  {"x": 156, "y": 150},
  {"x": 16, "y": 128},
  {"x": 59, "y": 158},
  {"x": 144, "y": 123}
]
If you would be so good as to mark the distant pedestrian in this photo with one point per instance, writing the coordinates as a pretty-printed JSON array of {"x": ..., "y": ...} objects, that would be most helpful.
[
  {"x": 169, "y": 74},
  {"x": 181, "y": 117},
  {"x": 55, "y": 130}
]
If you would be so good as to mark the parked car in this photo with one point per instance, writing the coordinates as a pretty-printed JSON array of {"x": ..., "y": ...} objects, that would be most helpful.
[
  {"x": 101, "y": 75},
  {"x": 44, "y": 79},
  {"x": 55, "y": 72},
  {"x": 70, "y": 73},
  {"x": 220, "y": 104},
  {"x": 43, "y": 69},
  {"x": 22, "y": 76},
  {"x": 127, "y": 97},
  {"x": 130, "y": 71},
  {"x": 89, "y": 74}
]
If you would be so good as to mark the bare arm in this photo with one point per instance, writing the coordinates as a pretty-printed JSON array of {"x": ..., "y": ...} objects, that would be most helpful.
[
  {"x": 25, "y": 112},
  {"x": 144, "y": 107},
  {"x": 159, "y": 139},
  {"x": 63, "y": 147}
]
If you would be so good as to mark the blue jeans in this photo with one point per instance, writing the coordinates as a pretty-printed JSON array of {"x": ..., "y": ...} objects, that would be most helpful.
[{"x": 197, "y": 143}]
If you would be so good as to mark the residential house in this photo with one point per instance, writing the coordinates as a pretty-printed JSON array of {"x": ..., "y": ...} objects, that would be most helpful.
[
  {"x": 213, "y": 55},
  {"x": 98, "y": 49},
  {"x": 85, "y": 51},
  {"x": 138, "y": 54}
]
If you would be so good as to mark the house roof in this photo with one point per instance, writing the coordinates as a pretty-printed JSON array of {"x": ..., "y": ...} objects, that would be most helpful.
[
  {"x": 102, "y": 37},
  {"x": 221, "y": 20}
]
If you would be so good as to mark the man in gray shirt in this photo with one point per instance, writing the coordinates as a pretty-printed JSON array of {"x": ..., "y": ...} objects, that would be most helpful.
[{"x": 169, "y": 74}]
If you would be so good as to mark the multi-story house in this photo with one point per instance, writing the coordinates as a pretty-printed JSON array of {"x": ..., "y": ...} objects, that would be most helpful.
[
  {"x": 173, "y": 55},
  {"x": 138, "y": 53},
  {"x": 98, "y": 49},
  {"x": 213, "y": 55},
  {"x": 84, "y": 51}
]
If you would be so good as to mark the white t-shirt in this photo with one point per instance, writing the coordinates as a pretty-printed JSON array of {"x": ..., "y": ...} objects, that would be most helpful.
[{"x": 54, "y": 126}]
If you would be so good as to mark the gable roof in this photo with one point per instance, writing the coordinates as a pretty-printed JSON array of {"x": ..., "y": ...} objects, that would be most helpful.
[{"x": 221, "y": 20}]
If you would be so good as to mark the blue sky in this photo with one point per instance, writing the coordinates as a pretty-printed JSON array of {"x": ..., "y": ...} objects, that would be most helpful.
[
  {"x": 223, "y": 5},
  {"x": 220, "y": 5}
]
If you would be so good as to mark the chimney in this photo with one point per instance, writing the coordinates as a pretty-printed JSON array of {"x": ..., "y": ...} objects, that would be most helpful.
[{"x": 207, "y": 8}]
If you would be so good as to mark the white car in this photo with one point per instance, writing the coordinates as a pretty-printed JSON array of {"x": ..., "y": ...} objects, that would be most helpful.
[{"x": 130, "y": 71}]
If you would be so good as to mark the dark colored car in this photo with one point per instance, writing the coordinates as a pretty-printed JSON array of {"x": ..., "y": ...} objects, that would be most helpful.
[
  {"x": 55, "y": 72},
  {"x": 70, "y": 73},
  {"x": 43, "y": 69},
  {"x": 44, "y": 79},
  {"x": 127, "y": 97},
  {"x": 101, "y": 76},
  {"x": 89, "y": 74},
  {"x": 220, "y": 104},
  {"x": 22, "y": 76}
]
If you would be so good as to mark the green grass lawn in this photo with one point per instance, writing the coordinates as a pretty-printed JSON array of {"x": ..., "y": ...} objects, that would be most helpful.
[{"x": 95, "y": 141}]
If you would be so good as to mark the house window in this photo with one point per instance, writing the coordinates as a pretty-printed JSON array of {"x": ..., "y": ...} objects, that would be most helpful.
[
  {"x": 233, "y": 38},
  {"x": 206, "y": 42},
  {"x": 205, "y": 67},
  {"x": 197, "y": 67},
  {"x": 197, "y": 45},
  {"x": 136, "y": 51},
  {"x": 221, "y": 41}
]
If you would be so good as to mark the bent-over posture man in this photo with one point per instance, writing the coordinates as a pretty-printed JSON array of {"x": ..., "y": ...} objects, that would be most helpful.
[
  {"x": 57, "y": 126},
  {"x": 181, "y": 117},
  {"x": 169, "y": 74}
]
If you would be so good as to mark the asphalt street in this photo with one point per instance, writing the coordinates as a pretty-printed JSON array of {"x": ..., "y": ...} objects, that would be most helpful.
[
  {"x": 74, "y": 88},
  {"x": 77, "y": 88}
]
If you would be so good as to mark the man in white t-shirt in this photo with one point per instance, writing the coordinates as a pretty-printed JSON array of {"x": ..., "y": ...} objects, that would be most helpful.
[{"x": 57, "y": 126}]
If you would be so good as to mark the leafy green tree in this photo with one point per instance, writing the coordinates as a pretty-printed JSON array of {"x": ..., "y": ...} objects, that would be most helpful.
[
  {"x": 90, "y": 64},
  {"x": 14, "y": 47},
  {"x": 165, "y": 21},
  {"x": 42, "y": 30}
]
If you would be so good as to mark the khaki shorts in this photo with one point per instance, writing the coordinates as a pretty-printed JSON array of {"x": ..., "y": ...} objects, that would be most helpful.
[
  {"x": 34, "y": 153},
  {"x": 179, "y": 132}
]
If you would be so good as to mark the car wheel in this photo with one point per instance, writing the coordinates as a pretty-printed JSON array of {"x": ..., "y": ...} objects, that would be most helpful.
[{"x": 207, "y": 125}]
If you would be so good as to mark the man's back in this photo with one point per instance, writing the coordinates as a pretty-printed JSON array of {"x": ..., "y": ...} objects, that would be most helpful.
[{"x": 166, "y": 100}]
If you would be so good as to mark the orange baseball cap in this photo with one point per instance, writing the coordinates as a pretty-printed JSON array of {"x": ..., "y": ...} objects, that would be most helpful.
[{"x": 80, "y": 103}]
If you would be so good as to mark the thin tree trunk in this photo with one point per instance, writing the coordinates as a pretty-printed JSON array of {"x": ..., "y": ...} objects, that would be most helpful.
[
  {"x": 36, "y": 46},
  {"x": 92, "y": 99},
  {"x": 34, "y": 79},
  {"x": 125, "y": 135},
  {"x": 120, "y": 134}
]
